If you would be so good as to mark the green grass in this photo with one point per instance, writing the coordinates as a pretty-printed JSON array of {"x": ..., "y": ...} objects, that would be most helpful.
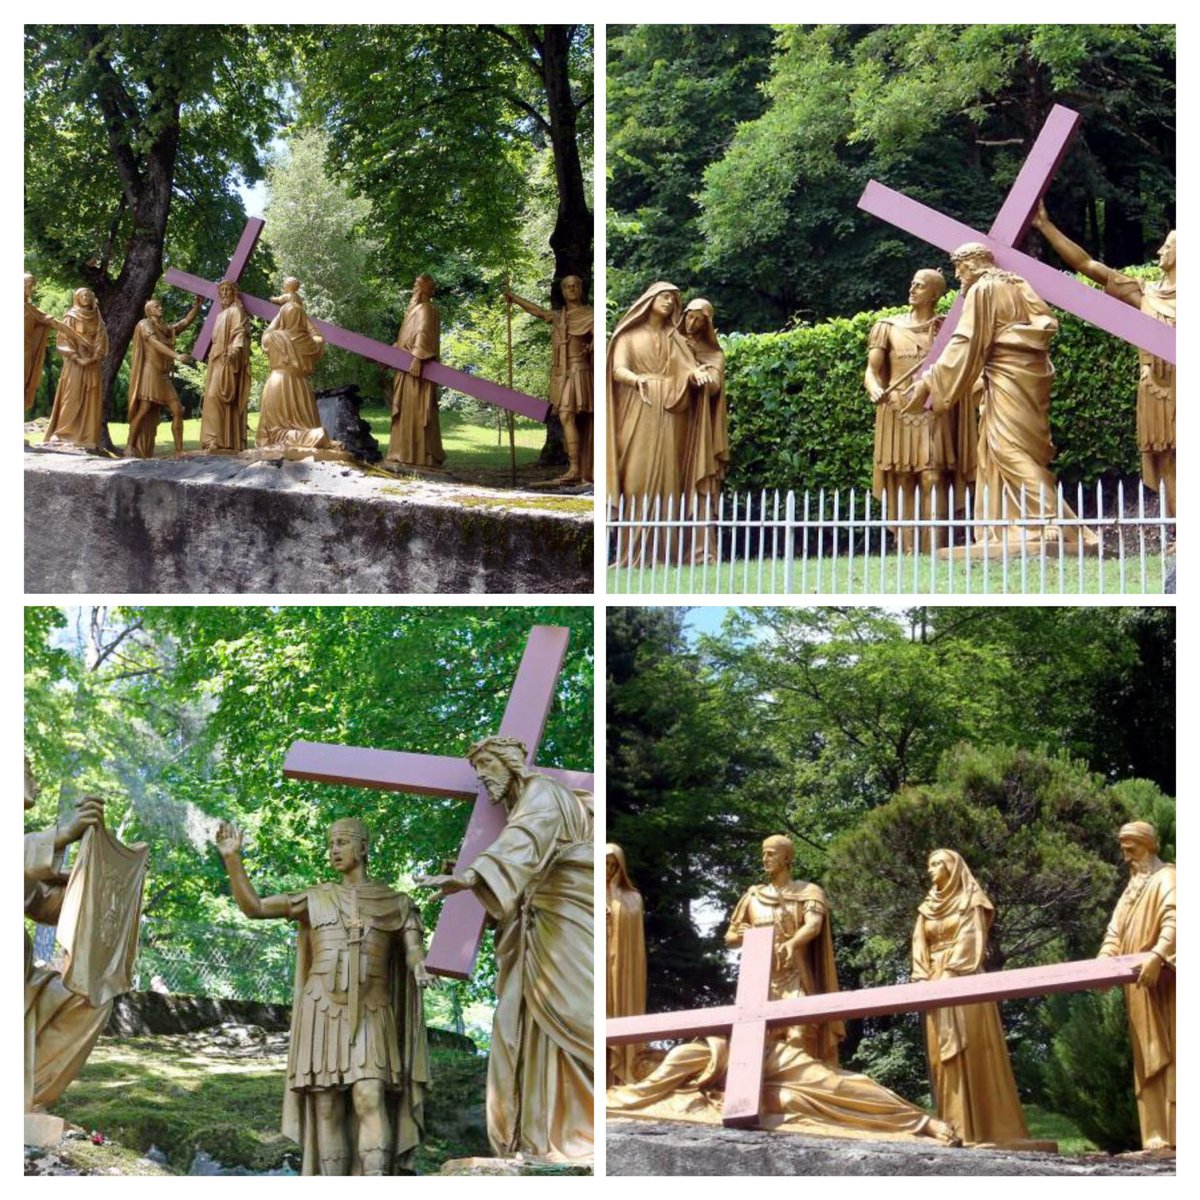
[
  {"x": 1053, "y": 1126},
  {"x": 844, "y": 575},
  {"x": 143, "y": 1091},
  {"x": 467, "y": 443}
]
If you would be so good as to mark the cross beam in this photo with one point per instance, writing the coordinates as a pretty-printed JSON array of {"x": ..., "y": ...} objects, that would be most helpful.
[
  {"x": 345, "y": 339},
  {"x": 1010, "y": 225},
  {"x": 460, "y": 928},
  {"x": 746, "y": 1021}
]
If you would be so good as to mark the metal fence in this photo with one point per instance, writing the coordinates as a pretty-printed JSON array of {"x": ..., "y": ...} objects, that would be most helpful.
[{"x": 1117, "y": 540}]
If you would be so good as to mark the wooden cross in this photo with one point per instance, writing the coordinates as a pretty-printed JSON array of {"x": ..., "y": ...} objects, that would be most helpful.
[
  {"x": 460, "y": 929},
  {"x": 1010, "y": 225},
  {"x": 746, "y": 1021},
  {"x": 356, "y": 343}
]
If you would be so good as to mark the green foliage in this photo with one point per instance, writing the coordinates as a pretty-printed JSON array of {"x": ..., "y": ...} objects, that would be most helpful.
[
  {"x": 181, "y": 717},
  {"x": 737, "y": 162},
  {"x": 810, "y": 380},
  {"x": 1088, "y": 1071}
]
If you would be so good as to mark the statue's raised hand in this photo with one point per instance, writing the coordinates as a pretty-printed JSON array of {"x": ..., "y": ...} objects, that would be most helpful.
[{"x": 228, "y": 839}]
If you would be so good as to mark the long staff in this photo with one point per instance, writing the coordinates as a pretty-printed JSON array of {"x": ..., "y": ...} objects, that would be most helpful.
[{"x": 512, "y": 443}]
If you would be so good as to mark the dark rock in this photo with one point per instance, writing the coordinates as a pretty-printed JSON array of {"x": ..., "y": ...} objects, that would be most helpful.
[
  {"x": 339, "y": 415},
  {"x": 142, "y": 1014},
  {"x": 677, "y": 1148}
]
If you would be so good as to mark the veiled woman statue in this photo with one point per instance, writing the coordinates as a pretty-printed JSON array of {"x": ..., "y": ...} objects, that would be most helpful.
[
  {"x": 651, "y": 384},
  {"x": 289, "y": 415},
  {"x": 706, "y": 456},
  {"x": 37, "y": 334},
  {"x": 78, "y": 411},
  {"x": 625, "y": 991},
  {"x": 968, "y": 1058}
]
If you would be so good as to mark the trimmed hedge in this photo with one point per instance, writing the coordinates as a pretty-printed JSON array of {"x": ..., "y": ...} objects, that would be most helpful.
[{"x": 799, "y": 416}]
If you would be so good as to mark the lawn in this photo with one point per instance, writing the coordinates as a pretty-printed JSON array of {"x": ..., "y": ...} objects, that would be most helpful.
[
  {"x": 845, "y": 576},
  {"x": 469, "y": 444}
]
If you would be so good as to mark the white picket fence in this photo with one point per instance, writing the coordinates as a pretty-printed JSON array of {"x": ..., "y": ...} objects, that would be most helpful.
[{"x": 842, "y": 543}]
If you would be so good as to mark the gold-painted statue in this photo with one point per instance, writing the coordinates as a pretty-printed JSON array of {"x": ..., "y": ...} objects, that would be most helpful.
[
  {"x": 706, "y": 454},
  {"x": 536, "y": 882},
  {"x": 804, "y": 963},
  {"x": 288, "y": 415},
  {"x": 1002, "y": 339},
  {"x": 150, "y": 387},
  {"x": 1144, "y": 923},
  {"x": 358, "y": 1064},
  {"x": 570, "y": 373},
  {"x": 803, "y": 1088},
  {"x": 625, "y": 946},
  {"x": 227, "y": 382},
  {"x": 652, "y": 382},
  {"x": 416, "y": 437},
  {"x": 37, "y": 334},
  {"x": 972, "y": 1076},
  {"x": 1156, "y": 377},
  {"x": 62, "y": 1022},
  {"x": 77, "y": 414},
  {"x": 915, "y": 452}
]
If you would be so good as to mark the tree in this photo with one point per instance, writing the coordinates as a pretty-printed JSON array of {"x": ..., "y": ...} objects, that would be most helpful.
[
  {"x": 120, "y": 121},
  {"x": 945, "y": 113}
]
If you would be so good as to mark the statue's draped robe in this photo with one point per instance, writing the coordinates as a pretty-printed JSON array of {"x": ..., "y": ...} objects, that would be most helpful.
[
  {"x": 1156, "y": 376},
  {"x": 227, "y": 383},
  {"x": 1144, "y": 920},
  {"x": 536, "y": 883},
  {"x": 908, "y": 443},
  {"x": 968, "y": 1058},
  {"x": 60, "y": 1027},
  {"x": 37, "y": 334},
  {"x": 78, "y": 410},
  {"x": 288, "y": 416},
  {"x": 648, "y": 424},
  {"x": 150, "y": 386},
  {"x": 416, "y": 436},
  {"x": 390, "y": 1041},
  {"x": 625, "y": 945},
  {"x": 1003, "y": 340}
]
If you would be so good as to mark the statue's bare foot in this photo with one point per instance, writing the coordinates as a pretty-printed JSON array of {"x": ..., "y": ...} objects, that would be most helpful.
[
  {"x": 943, "y": 1132},
  {"x": 1157, "y": 1143},
  {"x": 572, "y": 476}
]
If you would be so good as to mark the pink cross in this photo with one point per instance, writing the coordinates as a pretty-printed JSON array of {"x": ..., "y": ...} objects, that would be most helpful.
[
  {"x": 1010, "y": 225},
  {"x": 356, "y": 343},
  {"x": 460, "y": 928},
  {"x": 746, "y": 1021}
]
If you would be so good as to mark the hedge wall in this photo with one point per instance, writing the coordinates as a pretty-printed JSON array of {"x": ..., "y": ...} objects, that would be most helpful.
[{"x": 800, "y": 417}]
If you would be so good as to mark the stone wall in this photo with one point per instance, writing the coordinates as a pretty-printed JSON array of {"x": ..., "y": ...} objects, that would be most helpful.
[{"x": 226, "y": 524}]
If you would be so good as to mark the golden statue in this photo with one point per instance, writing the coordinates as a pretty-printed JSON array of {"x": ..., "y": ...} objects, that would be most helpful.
[
  {"x": 358, "y": 1064},
  {"x": 536, "y": 882},
  {"x": 1156, "y": 377},
  {"x": 706, "y": 454},
  {"x": 1144, "y": 923},
  {"x": 77, "y": 414},
  {"x": 570, "y": 373},
  {"x": 803, "y": 1088},
  {"x": 1002, "y": 338},
  {"x": 651, "y": 385},
  {"x": 150, "y": 387},
  {"x": 416, "y": 434},
  {"x": 625, "y": 946},
  {"x": 968, "y": 1057},
  {"x": 288, "y": 415},
  {"x": 914, "y": 451},
  {"x": 37, "y": 334},
  {"x": 227, "y": 382},
  {"x": 96, "y": 906}
]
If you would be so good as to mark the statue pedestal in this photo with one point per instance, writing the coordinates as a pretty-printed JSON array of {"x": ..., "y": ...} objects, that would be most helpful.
[
  {"x": 513, "y": 1167},
  {"x": 43, "y": 1129},
  {"x": 1034, "y": 546}
]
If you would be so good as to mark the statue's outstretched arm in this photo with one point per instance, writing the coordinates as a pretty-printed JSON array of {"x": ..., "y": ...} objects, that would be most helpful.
[{"x": 229, "y": 845}]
